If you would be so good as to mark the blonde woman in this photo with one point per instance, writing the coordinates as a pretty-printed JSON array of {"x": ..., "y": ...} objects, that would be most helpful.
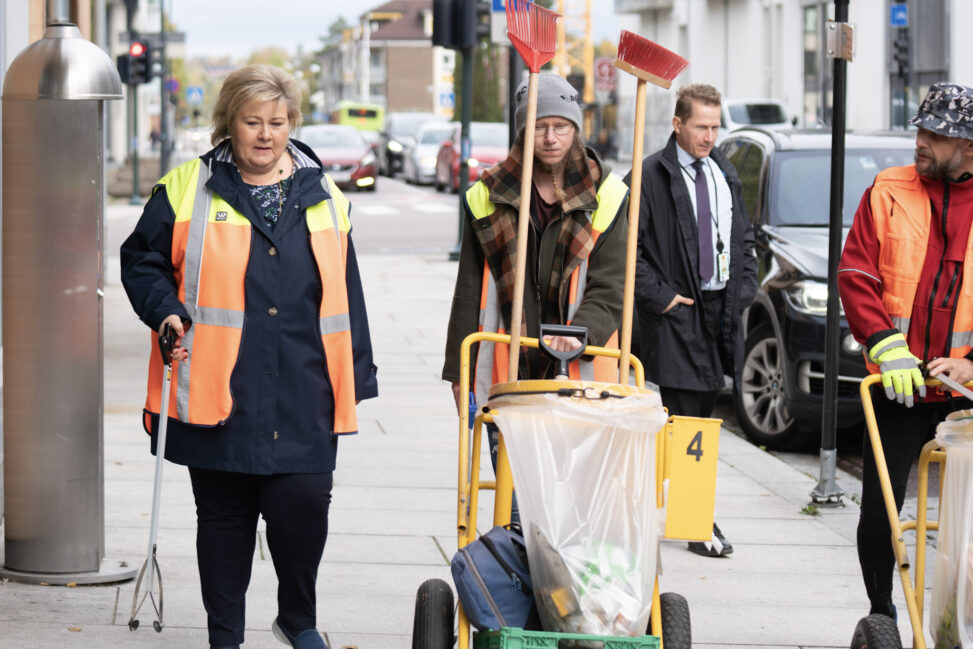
[{"x": 246, "y": 253}]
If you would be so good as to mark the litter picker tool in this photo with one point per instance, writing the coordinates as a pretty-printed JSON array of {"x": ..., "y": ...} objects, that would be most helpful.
[
  {"x": 533, "y": 31},
  {"x": 649, "y": 63},
  {"x": 150, "y": 569}
]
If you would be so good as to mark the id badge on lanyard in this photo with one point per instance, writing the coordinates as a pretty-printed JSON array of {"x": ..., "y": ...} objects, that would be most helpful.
[{"x": 723, "y": 266}]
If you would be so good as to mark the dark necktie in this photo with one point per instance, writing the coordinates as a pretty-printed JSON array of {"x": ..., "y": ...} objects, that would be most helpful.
[{"x": 704, "y": 220}]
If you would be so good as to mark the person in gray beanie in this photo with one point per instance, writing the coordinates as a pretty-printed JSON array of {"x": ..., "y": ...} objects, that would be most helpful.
[
  {"x": 913, "y": 222},
  {"x": 575, "y": 251}
]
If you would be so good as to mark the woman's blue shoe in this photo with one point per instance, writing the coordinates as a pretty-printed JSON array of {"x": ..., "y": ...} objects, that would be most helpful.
[{"x": 307, "y": 639}]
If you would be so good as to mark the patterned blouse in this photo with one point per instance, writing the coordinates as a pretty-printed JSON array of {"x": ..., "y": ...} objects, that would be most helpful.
[{"x": 270, "y": 199}]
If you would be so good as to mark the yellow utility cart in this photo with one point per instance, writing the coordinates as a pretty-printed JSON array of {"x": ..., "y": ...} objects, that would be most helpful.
[{"x": 687, "y": 450}]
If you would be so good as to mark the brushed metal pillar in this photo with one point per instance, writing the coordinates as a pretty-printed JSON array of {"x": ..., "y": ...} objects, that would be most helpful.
[{"x": 53, "y": 206}]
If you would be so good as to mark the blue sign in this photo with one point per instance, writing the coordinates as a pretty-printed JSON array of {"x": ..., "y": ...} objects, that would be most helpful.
[
  {"x": 498, "y": 5},
  {"x": 447, "y": 100},
  {"x": 898, "y": 15},
  {"x": 194, "y": 95}
]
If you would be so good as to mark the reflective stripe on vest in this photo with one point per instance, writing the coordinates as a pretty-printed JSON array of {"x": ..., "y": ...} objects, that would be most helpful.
[
  {"x": 902, "y": 213},
  {"x": 208, "y": 231},
  {"x": 492, "y": 360}
]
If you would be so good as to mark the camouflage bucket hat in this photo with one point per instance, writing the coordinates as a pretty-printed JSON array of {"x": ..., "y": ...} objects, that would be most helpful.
[{"x": 947, "y": 110}]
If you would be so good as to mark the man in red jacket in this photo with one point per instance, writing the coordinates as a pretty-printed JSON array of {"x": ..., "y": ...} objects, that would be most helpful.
[{"x": 908, "y": 300}]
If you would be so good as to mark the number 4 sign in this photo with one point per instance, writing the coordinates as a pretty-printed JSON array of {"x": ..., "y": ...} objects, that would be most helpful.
[{"x": 690, "y": 449}]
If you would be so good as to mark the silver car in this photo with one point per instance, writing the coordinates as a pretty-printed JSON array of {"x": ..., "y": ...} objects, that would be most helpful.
[{"x": 419, "y": 158}]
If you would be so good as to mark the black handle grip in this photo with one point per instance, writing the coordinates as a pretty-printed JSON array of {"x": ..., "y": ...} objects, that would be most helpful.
[
  {"x": 563, "y": 358},
  {"x": 167, "y": 342}
]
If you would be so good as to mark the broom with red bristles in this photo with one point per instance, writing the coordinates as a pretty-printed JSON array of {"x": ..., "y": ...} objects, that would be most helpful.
[
  {"x": 533, "y": 31},
  {"x": 649, "y": 63}
]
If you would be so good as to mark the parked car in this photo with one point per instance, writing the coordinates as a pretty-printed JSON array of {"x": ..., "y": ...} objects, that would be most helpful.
[
  {"x": 419, "y": 159},
  {"x": 344, "y": 153},
  {"x": 400, "y": 132},
  {"x": 737, "y": 113},
  {"x": 372, "y": 138},
  {"x": 488, "y": 146},
  {"x": 786, "y": 177}
]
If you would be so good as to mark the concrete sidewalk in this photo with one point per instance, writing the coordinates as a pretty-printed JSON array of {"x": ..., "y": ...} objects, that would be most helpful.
[{"x": 793, "y": 580}]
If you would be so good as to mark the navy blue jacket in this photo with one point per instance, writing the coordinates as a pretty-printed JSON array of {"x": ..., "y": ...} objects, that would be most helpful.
[{"x": 283, "y": 402}]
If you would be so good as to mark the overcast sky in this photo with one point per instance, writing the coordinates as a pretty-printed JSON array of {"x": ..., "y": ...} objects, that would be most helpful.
[{"x": 236, "y": 27}]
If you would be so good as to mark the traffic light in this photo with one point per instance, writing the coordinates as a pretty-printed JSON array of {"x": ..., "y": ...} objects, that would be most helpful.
[
  {"x": 122, "y": 61},
  {"x": 139, "y": 70},
  {"x": 460, "y": 24},
  {"x": 900, "y": 55},
  {"x": 473, "y": 22},
  {"x": 443, "y": 23}
]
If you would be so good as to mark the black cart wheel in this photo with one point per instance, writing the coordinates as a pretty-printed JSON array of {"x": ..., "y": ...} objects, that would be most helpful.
[
  {"x": 433, "y": 624},
  {"x": 876, "y": 632},
  {"x": 677, "y": 632}
]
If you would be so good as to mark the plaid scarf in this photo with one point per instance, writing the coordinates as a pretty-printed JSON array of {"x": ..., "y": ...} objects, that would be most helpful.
[{"x": 497, "y": 233}]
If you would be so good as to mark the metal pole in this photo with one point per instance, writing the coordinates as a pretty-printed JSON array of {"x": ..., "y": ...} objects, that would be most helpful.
[
  {"x": 133, "y": 95},
  {"x": 164, "y": 134},
  {"x": 464, "y": 157},
  {"x": 515, "y": 71},
  {"x": 827, "y": 490},
  {"x": 58, "y": 12}
]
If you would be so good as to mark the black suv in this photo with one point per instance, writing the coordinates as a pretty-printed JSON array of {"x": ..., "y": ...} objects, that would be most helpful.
[{"x": 786, "y": 178}]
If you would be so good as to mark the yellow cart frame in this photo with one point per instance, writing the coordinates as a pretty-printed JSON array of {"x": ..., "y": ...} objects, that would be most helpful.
[
  {"x": 931, "y": 452},
  {"x": 691, "y": 523}
]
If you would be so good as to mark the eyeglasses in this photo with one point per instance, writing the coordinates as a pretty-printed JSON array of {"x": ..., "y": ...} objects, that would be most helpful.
[{"x": 559, "y": 129}]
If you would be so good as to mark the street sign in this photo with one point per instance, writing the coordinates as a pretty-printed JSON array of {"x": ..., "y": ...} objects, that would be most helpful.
[
  {"x": 172, "y": 85},
  {"x": 194, "y": 95},
  {"x": 498, "y": 24},
  {"x": 604, "y": 73},
  {"x": 899, "y": 15}
]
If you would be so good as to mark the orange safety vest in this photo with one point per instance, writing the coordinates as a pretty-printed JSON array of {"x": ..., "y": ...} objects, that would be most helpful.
[
  {"x": 210, "y": 252},
  {"x": 901, "y": 213},
  {"x": 492, "y": 359}
]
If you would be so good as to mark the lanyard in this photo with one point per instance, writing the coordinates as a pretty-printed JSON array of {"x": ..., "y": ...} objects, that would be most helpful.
[{"x": 715, "y": 215}]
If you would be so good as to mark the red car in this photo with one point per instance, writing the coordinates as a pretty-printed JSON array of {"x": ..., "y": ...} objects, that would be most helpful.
[
  {"x": 345, "y": 154},
  {"x": 488, "y": 146}
]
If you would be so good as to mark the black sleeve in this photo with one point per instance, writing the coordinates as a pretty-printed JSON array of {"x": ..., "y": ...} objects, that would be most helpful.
[
  {"x": 366, "y": 382},
  {"x": 147, "y": 272},
  {"x": 652, "y": 292}
]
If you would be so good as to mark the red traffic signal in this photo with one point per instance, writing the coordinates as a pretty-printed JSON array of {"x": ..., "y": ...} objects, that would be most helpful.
[{"x": 136, "y": 49}]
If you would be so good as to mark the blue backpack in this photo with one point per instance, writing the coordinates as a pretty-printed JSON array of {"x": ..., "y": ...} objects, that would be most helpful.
[{"x": 493, "y": 581}]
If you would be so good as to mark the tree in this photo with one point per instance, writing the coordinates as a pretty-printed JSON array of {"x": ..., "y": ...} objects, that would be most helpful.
[
  {"x": 488, "y": 68},
  {"x": 272, "y": 55}
]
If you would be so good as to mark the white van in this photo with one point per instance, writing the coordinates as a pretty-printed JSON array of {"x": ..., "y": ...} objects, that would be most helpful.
[{"x": 770, "y": 113}]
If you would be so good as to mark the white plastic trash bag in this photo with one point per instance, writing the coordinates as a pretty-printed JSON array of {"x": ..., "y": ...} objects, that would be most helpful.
[
  {"x": 584, "y": 471},
  {"x": 951, "y": 614}
]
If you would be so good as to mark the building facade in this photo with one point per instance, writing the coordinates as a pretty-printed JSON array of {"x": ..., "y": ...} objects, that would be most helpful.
[{"x": 388, "y": 59}]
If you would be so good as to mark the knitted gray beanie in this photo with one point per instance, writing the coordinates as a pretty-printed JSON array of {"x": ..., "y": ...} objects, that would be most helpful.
[{"x": 555, "y": 98}]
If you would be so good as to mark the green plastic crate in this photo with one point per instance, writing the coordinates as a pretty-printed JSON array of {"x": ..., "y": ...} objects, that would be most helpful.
[{"x": 511, "y": 638}]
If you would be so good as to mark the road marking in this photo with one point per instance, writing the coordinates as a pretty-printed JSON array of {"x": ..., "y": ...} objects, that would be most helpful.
[
  {"x": 432, "y": 208},
  {"x": 374, "y": 210}
]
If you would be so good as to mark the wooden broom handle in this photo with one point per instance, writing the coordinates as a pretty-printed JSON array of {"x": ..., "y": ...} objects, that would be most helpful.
[
  {"x": 634, "y": 198},
  {"x": 523, "y": 220}
]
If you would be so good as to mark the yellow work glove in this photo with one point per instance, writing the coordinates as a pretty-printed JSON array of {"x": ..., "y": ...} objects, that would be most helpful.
[{"x": 900, "y": 369}]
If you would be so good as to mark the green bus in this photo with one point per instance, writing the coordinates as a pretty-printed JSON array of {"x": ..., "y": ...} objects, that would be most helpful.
[{"x": 361, "y": 115}]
